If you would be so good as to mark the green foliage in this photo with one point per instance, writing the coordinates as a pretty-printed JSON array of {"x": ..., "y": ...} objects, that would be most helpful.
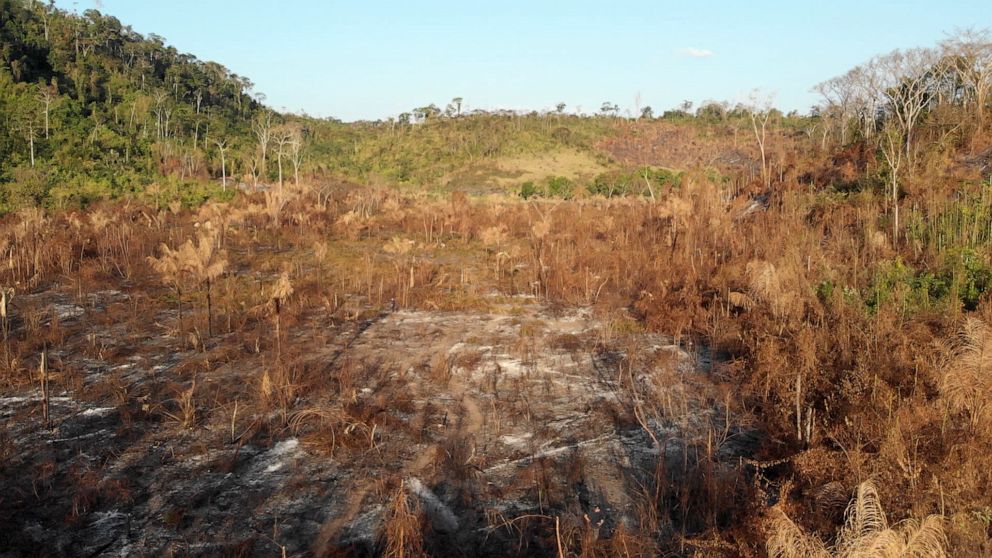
[
  {"x": 424, "y": 153},
  {"x": 558, "y": 187},
  {"x": 637, "y": 182},
  {"x": 963, "y": 279},
  {"x": 965, "y": 221},
  {"x": 825, "y": 289},
  {"x": 528, "y": 190},
  {"x": 958, "y": 231},
  {"x": 970, "y": 277},
  {"x": 552, "y": 187},
  {"x": 894, "y": 281},
  {"x": 103, "y": 109},
  {"x": 29, "y": 186},
  {"x": 193, "y": 194}
]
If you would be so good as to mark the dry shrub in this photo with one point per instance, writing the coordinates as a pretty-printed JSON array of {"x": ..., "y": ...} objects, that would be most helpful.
[
  {"x": 967, "y": 375},
  {"x": 403, "y": 531},
  {"x": 866, "y": 533},
  {"x": 788, "y": 540},
  {"x": 779, "y": 287}
]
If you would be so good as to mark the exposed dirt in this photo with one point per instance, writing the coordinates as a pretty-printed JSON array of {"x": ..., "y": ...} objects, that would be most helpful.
[
  {"x": 510, "y": 172},
  {"x": 678, "y": 147},
  {"x": 481, "y": 417}
]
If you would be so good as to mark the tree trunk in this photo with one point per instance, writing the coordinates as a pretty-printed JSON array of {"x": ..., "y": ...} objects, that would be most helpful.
[
  {"x": 895, "y": 208},
  {"x": 45, "y": 396},
  {"x": 278, "y": 333},
  {"x": 5, "y": 325},
  {"x": 182, "y": 330},
  {"x": 210, "y": 321}
]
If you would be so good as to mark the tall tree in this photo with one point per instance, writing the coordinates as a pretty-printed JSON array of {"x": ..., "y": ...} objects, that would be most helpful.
[
  {"x": 969, "y": 56},
  {"x": 222, "y": 148},
  {"x": 262, "y": 128},
  {"x": 906, "y": 80}
]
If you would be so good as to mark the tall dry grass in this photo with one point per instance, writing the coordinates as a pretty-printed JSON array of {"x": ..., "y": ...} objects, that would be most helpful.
[{"x": 866, "y": 532}]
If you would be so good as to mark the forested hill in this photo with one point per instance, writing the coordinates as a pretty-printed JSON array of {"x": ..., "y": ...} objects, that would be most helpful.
[{"x": 90, "y": 108}]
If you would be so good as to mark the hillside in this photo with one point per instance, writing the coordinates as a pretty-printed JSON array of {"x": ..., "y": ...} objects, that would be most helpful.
[{"x": 90, "y": 109}]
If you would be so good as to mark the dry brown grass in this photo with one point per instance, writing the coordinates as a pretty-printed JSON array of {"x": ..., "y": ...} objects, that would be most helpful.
[
  {"x": 967, "y": 375},
  {"x": 403, "y": 531}
]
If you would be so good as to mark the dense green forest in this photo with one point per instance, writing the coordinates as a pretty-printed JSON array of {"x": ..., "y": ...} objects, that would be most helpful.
[{"x": 90, "y": 108}]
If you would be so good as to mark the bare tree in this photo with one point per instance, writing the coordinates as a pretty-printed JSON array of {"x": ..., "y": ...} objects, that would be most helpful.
[
  {"x": 759, "y": 108},
  {"x": 283, "y": 139},
  {"x": 262, "y": 127},
  {"x": 251, "y": 163},
  {"x": 892, "y": 150},
  {"x": 840, "y": 95},
  {"x": 906, "y": 80},
  {"x": 29, "y": 133},
  {"x": 969, "y": 56},
  {"x": 864, "y": 83},
  {"x": 163, "y": 114},
  {"x": 296, "y": 155},
  {"x": 47, "y": 94},
  {"x": 222, "y": 147}
]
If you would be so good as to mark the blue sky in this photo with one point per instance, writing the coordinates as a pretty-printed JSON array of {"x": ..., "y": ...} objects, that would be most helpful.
[{"x": 367, "y": 59}]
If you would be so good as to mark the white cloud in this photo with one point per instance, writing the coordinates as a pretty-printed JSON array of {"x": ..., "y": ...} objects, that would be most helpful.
[{"x": 697, "y": 52}]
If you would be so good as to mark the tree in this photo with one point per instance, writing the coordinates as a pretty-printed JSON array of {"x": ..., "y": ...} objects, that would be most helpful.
[
  {"x": 906, "y": 80},
  {"x": 609, "y": 109},
  {"x": 163, "y": 112},
  {"x": 222, "y": 147},
  {"x": 47, "y": 95},
  {"x": 839, "y": 94},
  {"x": 969, "y": 55},
  {"x": 647, "y": 113},
  {"x": 289, "y": 144},
  {"x": 426, "y": 113},
  {"x": 759, "y": 109},
  {"x": 262, "y": 128},
  {"x": 29, "y": 128},
  {"x": 457, "y": 104},
  {"x": 712, "y": 110},
  {"x": 25, "y": 115},
  {"x": 119, "y": 104},
  {"x": 892, "y": 150},
  {"x": 560, "y": 108},
  {"x": 296, "y": 155}
]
